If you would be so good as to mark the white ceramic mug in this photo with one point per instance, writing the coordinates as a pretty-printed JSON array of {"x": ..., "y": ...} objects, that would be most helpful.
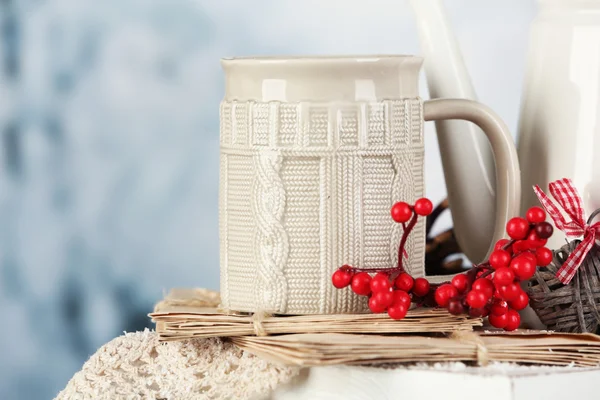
[{"x": 314, "y": 152}]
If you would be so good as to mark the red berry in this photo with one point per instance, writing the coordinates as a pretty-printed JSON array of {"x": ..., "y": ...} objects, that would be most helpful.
[
  {"x": 479, "y": 312},
  {"x": 361, "y": 284},
  {"x": 510, "y": 292},
  {"x": 520, "y": 246},
  {"x": 341, "y": 278},
  {"x": 455, "y": 307},
  {"x": 543, "y": 256},
  {"x": 499, "y": 259},
  {"x": 423, "y": 206},
  {"x": 535, "y": 215},
  {"x": 530, "y": 256},
  {"x": 520, "y": 302},
  {"x": 500, "y": 244},
  {"x": 421, "y": 287},
  {"x": 384, "y": 298},
  {"x": 497, "y": 295},
  {"x": 401, "y": 212},
  {"x": 499, "y": 308},
  {"x": 460, "y": 282},
  {"x": 401, "y": 297},
  {"x": 517, "y": 228},
  {"x": 504, "y": 276},
  {"x": 544, "y": 230},
  {"x": 397, "y": 311},
  {"x": 523, "y": 267},
  {"x": 476, "y": 299},
  {"x": 498, "y": 321},
  {"x": 534, "y": 241},
  {"x": 405, "y": 282},
  {"x": 531, "y": 243},
  {"x": 375, "y": 306},
  {"x": 444, "y": 293},
  {"x": 484, "y": 286},
  {"x": 513, "y": 320},
  {"x": 380, "y": 283}
]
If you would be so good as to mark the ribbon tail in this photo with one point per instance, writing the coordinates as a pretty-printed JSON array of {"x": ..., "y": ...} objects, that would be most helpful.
[
  {"x": 405, "y": 253},
  {"x": 550, "y": 207}
]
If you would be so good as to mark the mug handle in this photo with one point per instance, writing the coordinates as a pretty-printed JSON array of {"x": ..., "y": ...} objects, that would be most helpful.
[{"x": 508, "y": 179}]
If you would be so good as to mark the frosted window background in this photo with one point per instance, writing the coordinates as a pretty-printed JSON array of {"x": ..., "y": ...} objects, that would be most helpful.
[{"x": 109, "y": 158}]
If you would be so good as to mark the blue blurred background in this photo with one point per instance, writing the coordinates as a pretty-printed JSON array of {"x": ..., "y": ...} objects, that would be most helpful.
[{"x": 109, "y": 148}]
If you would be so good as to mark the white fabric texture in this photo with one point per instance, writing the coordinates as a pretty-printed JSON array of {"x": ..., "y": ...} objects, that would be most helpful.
[
  {"x": 306, "y": 188},
  {"x": 137, "y": 366}
]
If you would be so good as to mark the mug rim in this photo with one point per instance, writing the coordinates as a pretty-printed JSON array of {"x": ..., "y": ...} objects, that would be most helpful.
[{"x": 320, "y": 59}]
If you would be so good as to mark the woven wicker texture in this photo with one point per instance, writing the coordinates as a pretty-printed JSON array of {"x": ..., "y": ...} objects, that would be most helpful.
[
  {"x": 306, "y": 188},
  {"x": 568, "y": 308}
]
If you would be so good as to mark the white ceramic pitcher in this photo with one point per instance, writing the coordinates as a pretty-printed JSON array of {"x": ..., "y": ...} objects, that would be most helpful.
[
  {"x": 559, "y": 125},
  {"x": 314, "y": 152}
]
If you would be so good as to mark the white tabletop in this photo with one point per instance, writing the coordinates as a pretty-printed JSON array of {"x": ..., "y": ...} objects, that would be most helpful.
[{"x": 444, "y": 381}]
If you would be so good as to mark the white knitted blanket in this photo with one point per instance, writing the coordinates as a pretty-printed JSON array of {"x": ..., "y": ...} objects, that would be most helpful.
[{"x": 137, "y": 366}]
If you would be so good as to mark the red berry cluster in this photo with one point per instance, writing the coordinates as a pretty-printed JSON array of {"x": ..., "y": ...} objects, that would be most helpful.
[
  {"x": 495, "y": 291},
  {"x": 390, "y": 289},
  {"x": 490, "y": 289}
]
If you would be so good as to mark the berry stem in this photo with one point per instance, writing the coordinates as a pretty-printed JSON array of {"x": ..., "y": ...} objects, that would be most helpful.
[
  {"x": 394, "y": 272},
  {"x": 486, "y": 273},
  {"x": 405, "y": 233},
  {"x": 371, "y": 270}
]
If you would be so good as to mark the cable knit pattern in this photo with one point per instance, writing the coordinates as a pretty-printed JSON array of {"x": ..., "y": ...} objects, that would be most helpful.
[
  {"x": 268, "y": 199},
  {"x": 137, "y": 366},
  {"x": 307, "y": 187}
]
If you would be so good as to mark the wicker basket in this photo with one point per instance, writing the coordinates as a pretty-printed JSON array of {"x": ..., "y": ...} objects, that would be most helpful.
[{"x": 574, "y": 307}]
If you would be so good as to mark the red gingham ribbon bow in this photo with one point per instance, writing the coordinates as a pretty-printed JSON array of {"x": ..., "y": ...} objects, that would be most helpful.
[{"x": 566, "y": 195}]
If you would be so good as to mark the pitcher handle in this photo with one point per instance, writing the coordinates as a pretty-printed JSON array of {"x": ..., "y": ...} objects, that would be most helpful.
[{"x": 508, "y": 179}]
